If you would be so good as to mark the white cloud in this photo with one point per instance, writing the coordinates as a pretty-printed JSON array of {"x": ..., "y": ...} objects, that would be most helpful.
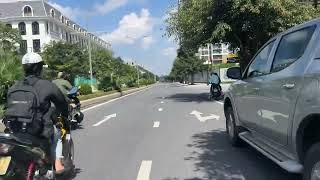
[
  {"x": 109, "y": 5},
  {"x": 69, "y": 12},
  {"x": 132, "y": 28},
  {"x": 147, "y": 41},
  {"x": 170, "y": 52}
]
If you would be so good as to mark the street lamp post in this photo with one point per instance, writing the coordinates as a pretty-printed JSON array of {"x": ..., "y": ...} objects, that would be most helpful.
[{"x": 90, "y": 64}]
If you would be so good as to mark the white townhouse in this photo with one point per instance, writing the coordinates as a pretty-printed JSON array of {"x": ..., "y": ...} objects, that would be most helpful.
[{"x": 40, "y": 23}]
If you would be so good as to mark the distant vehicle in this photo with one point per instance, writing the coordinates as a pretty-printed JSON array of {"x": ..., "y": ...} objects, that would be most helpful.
[
  {"x": 275, "y": 104},
  {"x": 232, "y": 60}
]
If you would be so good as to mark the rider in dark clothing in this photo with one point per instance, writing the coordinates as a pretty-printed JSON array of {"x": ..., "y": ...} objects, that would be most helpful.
[{"x": 47, "y": 93}]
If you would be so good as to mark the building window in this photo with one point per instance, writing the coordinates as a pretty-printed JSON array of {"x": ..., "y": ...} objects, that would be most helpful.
[
  {"x": 23, "y": 47},
  {"x": 47, "y": 28},
  {"x": 35, "y": 28},
  {"x": 27, "y": 11},
  {"x": 36, "y": 45},
  {"x": 22, "y": 28},
  {"x": 53, "y": 14},
  {"x": 63, "y": 19}
]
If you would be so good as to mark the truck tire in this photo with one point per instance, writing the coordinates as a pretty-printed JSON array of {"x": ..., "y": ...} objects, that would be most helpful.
[
  {"x": 312, "y": 163},
  {"x": 233, "y": 130}
]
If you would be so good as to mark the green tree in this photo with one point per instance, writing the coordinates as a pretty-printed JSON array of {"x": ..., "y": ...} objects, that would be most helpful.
[
  {"x": 246, "y": 24},
  {"x": 66, "y": 57},
  {"x": 9, "y": 38},
  {"x": 186, "y": 64}
]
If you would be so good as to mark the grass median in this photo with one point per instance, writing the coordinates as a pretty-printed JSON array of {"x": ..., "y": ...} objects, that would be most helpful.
[{"x": 102, "y": 93}]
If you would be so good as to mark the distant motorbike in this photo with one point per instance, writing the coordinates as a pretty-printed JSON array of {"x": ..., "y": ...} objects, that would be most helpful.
[
  {"x": 216, "y": 92},
  {"x": 26, "y": 157},
  {"x": 76, "y": 115}
]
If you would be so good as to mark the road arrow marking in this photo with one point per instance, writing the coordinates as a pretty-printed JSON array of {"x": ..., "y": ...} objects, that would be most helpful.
[
  {"x": 160, "y": 109},
  {"x": 107, "y": 118},
  {"x": 206, "y": 118},
  {"x": 156, "y": 124},
  {"x": 145, "y": 170}
]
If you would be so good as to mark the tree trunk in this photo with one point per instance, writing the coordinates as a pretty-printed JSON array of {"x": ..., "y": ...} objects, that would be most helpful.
[
  {"x": 245, "y": 57},
  {"x": 192, "y": 79}
]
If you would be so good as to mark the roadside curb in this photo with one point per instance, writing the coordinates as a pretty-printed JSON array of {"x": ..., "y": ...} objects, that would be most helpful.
[{"x": 102, "y": 99}]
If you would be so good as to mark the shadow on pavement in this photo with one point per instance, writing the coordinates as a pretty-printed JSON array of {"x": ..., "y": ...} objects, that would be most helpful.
[
  {"x": 190, "y": 97},
  {"x": 218, "y": 160}
]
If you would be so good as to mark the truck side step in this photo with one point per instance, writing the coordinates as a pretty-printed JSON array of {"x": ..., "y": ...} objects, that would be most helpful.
[{"x": 284, "y": 162}]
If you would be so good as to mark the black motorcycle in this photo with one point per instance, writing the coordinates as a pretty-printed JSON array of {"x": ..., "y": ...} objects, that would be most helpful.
[
  {"x": 76, "y": 115},
  {"x": 26, "y": 157},
  {"x": 216, "y": 92}
]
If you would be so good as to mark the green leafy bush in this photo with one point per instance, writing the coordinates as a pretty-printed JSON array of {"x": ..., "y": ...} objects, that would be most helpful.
[
  {"x": 85, "y": 89},
  {"x": 10, "y": 71}
]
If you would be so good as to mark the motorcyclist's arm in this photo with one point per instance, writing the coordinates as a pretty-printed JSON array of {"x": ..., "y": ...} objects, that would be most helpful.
[{"x": 59, "y": 100}]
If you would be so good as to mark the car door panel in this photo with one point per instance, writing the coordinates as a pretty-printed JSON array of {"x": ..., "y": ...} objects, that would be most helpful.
[{"x": 280, "y": 91}]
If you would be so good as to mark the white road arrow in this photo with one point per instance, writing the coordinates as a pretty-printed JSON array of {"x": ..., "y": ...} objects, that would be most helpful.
[
  {"x": 107, "y": 118},
  {"x": 204, "y": 119}
]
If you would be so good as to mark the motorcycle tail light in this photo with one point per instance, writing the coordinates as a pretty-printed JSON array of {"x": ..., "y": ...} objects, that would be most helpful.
[{"x": 5, "y": 148}]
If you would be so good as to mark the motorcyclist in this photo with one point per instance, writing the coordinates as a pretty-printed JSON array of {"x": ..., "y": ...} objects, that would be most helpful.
[
  {"x": 63, "y": 83},
  {"x": 47, "y": 93},
  {"x": 215, "y": 82}
]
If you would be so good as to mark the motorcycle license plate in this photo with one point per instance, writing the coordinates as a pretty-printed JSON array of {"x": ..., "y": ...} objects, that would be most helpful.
[
  {"x": 4, "y": 164},
  {"x": 215, "y": 90}
]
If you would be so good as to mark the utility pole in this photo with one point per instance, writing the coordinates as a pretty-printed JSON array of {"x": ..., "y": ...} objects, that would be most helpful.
[
  {"x": 138, "y": 74},
  {"x": 90, "y": 55},
  {"x": 209, "y": 60},
  {"x": 90, "y": 64}
]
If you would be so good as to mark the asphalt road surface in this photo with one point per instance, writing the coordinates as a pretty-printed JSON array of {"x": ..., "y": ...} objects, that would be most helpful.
[{"x": 159, "y": 134}]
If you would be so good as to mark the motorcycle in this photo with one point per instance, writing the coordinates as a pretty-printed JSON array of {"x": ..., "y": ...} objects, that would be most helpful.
[
  {"x": 76, "y": 115},
  {"x": 26, "y": 157},
  {"x": 216, "y": 92}
]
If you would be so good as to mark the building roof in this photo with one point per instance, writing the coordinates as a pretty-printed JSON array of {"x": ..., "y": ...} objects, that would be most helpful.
[
  {"x": 40, "y": 8},
  {"x": 15, "y": 9}
]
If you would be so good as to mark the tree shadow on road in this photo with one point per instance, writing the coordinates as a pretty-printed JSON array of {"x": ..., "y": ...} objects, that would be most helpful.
[
  {"x": 214, "y": 156},
  {"x": 190, "y": 97}
]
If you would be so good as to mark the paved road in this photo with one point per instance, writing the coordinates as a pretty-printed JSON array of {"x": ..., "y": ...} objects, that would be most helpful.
[{"x": 134, "y": 146}]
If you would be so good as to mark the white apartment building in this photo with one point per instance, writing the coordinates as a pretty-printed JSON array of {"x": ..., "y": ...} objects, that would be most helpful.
[
  {"x": 40, "y": 23},
  {"x": 217, "y": 53}
]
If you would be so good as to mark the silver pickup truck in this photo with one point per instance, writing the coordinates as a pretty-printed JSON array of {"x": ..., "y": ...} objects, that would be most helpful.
[{"x": 275, "y": 104}]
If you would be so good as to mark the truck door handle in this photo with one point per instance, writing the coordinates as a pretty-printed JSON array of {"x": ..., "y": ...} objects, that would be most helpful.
[{"x": 288, "y": 86}]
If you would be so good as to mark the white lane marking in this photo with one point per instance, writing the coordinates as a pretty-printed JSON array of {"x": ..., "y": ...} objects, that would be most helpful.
[
  {"x": 221, "y": 103},
  {"x": 112, "y": 100},
  {"x": 145, "y": 170},
  {"x": 162, "y": 102},
  {"x": 107, "y": 118},
  {"x": 156, "y": 124},
  {"x": 160, "y": 109},
  {"x": 205, "y": 118}
]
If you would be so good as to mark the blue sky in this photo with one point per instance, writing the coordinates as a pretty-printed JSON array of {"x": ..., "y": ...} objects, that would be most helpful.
[{"x": 135, "y": 28}]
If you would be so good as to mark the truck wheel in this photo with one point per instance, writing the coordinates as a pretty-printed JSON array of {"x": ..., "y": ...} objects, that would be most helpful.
[
  {"x": 232, "y": 130},
  {"x": 312, "y": 163}
]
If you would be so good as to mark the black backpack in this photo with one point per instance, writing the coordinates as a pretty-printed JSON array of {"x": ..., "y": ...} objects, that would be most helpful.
[{"x": 23, "y": 108}]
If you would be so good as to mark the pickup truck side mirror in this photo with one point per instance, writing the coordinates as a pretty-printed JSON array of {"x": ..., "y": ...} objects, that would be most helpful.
[{"x": 234, "y": 73}]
